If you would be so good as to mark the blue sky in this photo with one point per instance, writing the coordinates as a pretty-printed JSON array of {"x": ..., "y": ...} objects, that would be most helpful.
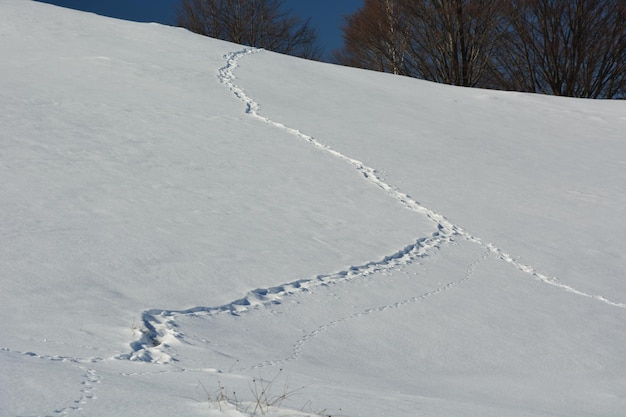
[{"x": 326, "y": 15}]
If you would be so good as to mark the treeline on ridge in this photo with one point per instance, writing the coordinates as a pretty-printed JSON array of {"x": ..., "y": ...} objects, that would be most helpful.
[{"x": 574, "y": 48}]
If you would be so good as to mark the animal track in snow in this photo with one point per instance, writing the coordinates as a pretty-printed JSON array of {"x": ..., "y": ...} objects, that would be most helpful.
[
  {"x": 159, "y": 324},
  {"x": 89, "y": 378},
  {"x": 55, "y": 358},
  {"x": 298, "y": 346},
  {"x": 227, "y": 77}
]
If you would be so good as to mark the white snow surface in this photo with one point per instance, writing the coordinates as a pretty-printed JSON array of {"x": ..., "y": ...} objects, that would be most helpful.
[{"x": 180, "y": 214}]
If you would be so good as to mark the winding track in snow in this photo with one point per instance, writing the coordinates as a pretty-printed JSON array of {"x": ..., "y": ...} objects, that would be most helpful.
[
  {"x": 227, "y": 77},
  {"x": 159, "y": 324},
  {"x": 298, "y": 346}
]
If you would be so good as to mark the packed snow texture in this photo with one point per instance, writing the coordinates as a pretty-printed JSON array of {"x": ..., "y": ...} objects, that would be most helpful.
[{"x": 185, "y": 220}]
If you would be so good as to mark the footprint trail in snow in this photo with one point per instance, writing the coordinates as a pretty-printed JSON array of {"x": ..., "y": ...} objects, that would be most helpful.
[
  {"x": 227, "y": 77},
  {"x": 160, "y": 324},
  {"x": 298, "y": 346}
]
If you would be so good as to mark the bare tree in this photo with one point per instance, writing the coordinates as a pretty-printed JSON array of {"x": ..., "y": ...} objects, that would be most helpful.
[
  {"x": 375, "y": 38},
  {"x": 448, "y": 41},
  {"x": 564, "y": 47},
  {"x": 258, "y": 23},
  {"x": 571, "y": 48},
  {"x": 453, "y": 41}
]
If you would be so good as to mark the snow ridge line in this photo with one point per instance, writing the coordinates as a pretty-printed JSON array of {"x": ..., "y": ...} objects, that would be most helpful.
[
  {"x": 159, "y": 325},
  {"x": 227, "y": 77},
  {"x": 299, "y": 344}
]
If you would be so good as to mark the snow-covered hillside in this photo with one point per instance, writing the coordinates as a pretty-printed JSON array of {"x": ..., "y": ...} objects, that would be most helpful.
[{"x": 180, "y": 214}]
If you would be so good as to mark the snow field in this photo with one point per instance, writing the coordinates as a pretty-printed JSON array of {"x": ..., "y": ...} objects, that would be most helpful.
[{"x": 180, "y": 214}]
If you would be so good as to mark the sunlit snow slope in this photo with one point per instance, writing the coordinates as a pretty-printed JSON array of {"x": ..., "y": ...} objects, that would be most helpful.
[{"x": 177, "y": 211}]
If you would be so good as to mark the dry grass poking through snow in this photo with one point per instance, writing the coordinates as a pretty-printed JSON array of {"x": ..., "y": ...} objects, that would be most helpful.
[{"x": 267, "y": 397}]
